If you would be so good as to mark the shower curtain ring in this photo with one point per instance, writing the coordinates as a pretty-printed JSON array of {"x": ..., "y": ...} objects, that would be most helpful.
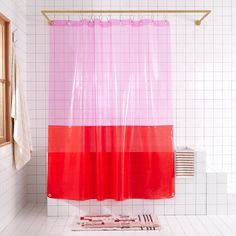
[
  {"x": 152, "y": 17},
  {"x": 52, "y": 21},
  {"x": 109, "y": 18},
  {"x": 165, "y": 18},
  {"x": 140, "y": 19},
  {"x": 132, "y": 18},
  {"x": 68, "y": 20}
]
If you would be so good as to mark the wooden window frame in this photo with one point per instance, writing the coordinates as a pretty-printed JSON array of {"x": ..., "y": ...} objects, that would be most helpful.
[{"x": 7, "y": 137}]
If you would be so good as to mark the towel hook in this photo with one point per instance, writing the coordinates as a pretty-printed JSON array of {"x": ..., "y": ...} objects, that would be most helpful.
[{"x": 14, "y": 40}]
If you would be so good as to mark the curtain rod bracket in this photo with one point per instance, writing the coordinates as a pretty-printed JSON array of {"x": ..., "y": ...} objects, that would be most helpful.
[{"x": 197, "y": 22}]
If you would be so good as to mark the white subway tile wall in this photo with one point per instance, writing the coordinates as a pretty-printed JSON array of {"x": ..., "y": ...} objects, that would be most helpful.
[
  {"x": 12, "y": 187},
  {"x": 204, "y": 96},
  {"x": 12, "y": 182}
]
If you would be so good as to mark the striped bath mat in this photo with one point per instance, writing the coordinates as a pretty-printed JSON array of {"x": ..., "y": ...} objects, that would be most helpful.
[{"x": 120, "y": 222}]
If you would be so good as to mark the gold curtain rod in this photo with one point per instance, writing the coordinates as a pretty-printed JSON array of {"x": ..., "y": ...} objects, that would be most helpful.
[{"x": 197, "y": 22}]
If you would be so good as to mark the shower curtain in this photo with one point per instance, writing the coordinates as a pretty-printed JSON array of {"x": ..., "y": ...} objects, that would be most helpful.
[{"x": 110, "y": 114}]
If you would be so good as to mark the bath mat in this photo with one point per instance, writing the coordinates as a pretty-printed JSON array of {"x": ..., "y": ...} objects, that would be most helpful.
[{"x": 120, "y": 222}]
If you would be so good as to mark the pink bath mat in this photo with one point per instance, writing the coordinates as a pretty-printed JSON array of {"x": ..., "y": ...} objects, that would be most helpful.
[{"x": 120, "y": 222}]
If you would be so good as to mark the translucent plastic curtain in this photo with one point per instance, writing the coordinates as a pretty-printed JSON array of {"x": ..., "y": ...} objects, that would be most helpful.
[{"x": 110, "y": 114}]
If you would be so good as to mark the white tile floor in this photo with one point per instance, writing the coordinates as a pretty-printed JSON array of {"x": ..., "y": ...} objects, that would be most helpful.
[{"x": 32, "y": 221}]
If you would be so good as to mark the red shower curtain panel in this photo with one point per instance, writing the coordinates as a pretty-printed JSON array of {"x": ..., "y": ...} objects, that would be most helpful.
[{"x": 110, "y": 133}]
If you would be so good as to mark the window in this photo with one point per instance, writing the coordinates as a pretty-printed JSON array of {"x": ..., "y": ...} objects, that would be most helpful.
[{"x": 4, "y": 81}]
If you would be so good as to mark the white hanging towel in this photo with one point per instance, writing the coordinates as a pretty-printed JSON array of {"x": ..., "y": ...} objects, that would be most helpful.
[{"x": 21, "y": 130}]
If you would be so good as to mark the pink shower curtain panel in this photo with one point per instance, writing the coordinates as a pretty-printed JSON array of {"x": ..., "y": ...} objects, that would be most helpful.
[{"x": 110, "y": 113}]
